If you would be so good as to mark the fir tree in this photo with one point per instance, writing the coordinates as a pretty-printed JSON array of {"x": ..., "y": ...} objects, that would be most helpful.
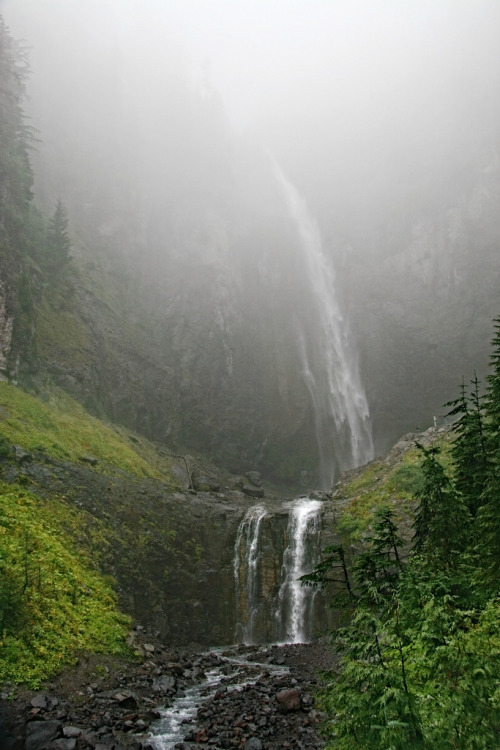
[
  {"x": 16, "y": 177},
  {"x": 58, "y": 243},
  {"x": 442, "y": 522},
  {"x": 469, "y": 450}
]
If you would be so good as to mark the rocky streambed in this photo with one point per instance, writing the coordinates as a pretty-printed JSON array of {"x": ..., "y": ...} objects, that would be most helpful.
[{"x": 240, "y": 697}]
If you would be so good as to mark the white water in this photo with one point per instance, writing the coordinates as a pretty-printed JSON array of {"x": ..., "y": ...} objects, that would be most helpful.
[
  {"x": 289, "y": 612},
  {"x": 176, "y": 720},
  {"x": 246, "y": 556},
  {"x": 330, "y": 368},
  {"x": 295, "y": 602}
]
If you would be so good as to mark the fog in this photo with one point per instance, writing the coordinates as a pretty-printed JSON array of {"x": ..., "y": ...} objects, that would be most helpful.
[{"x": 159, "y": 122}]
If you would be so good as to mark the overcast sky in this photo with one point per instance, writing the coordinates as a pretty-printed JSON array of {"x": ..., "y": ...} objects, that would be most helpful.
[{"x": 272, "y": 56}]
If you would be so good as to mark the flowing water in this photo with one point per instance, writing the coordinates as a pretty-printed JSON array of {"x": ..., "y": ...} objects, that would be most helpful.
[
  {"x": 180, "y": 717},
  {"x": 330, "y": 367},
  {"x": 272, "y": 550},
  {"x": 246, "y": 557},
  {"x": 295, "y": 610}
]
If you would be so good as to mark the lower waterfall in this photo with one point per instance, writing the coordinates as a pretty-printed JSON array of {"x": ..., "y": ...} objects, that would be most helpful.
[{"x": 273, "y": 548}]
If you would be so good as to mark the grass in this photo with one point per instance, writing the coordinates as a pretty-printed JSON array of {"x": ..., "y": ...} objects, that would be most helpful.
[
  {"x": 61, "y": 428},
  {"x": 381, "y": 484}
]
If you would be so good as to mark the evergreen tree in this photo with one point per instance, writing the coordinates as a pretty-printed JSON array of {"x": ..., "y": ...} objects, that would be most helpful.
[
  {"x": 442, "y": 522},
  {"x": 489, "y": 515},
  {"x": 58, "y": 243},
  {"x": 469, "y": 450},
  {"x": 16, "y": 177}
]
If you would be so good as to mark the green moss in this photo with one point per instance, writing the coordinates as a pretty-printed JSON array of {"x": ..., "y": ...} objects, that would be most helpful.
[
  {"x": 61, "y": 334},
  {"x": 53, "y": 603},
  {"x": 380, "y": 484},
  {"x": 61, "y": 428}
]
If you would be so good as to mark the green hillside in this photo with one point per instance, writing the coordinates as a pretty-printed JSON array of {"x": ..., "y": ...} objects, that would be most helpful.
[{"x": 54, "y": 602}]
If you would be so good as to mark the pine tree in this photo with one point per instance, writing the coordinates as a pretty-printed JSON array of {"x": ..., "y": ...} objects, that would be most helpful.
[
  {"x": 469, "y": 451},
  {"x": 16, "y": 177},
  {"x": 489, "y": 515},
  {"x": 58, "y": 243},
  {"x": 442, "y": 522}
]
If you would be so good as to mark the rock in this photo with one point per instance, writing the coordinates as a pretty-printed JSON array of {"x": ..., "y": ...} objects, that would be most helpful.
[
  {"x": 39, "y": 701},
  {"x": 126, "y": 700},
  {"x": 40, "y": 733},
  {"x": 164, "y": 683},
  {"x": 91, "y": 460},
  {"x": 21, "y": 455},
  {"x": 253, "y": 743},
  {"x": 72, "y": 731},
  {"x": 206, "y": 484},
  {"x": 252, "y": 491},
  {"x": 65, "y": 743},
  {"x": 289, "y": 700},
  {"x": 254, "y": 478}
]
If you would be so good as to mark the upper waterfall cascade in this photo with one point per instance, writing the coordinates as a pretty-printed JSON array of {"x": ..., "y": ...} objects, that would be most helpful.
[
  {"x": 272, "y": 550},
  {"x": 330, "y": 367}
]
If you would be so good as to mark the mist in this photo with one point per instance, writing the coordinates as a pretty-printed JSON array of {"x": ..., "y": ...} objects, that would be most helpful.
[{"x": 159, "y": 124}]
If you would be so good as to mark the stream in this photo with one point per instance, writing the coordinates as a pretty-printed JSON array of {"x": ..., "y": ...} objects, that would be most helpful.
[{"x": 232, "y": 673}]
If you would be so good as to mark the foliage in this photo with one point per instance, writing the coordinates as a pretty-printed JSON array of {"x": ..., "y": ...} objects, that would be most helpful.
[
  {"x": 53, "y": 604},
  {"x": 420, "y": 653}
]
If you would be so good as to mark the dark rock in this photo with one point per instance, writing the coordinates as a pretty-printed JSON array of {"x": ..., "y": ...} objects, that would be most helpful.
[
  {"x": 254, "y": 478},
  {"x": 40, "y": 733},
  {"x": 252, "y": 491},
  {"x": 126, "y": 700},
  {"x": 65, "y": 743},
  {"x": 21, "y": 455},
  {"x": 91, "y": 460}
]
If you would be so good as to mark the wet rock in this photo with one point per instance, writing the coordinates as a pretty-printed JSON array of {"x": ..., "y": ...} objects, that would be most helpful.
[
  {"x": 164, "y": 684},
  {"x": 41, "y": 733}
]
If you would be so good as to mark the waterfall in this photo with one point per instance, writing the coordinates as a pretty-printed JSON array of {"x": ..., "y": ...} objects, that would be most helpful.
[
  {"x": 246, "y": 556},
  {"x": 330, "y": 368},
  {"x": 272, "y": 550},
  {"x": 295, "y": 602}
]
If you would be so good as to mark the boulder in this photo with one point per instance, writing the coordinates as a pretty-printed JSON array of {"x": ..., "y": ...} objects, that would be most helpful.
[
  {"x": 40, "y": 733},
  {"x": 288, "y": 700}
]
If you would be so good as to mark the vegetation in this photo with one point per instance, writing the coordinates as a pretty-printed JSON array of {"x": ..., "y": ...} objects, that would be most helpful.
[
  {"x": 420, "y": 644},
  {"x": 62, "y": 429},
  {"x": 53, "y": 603}
]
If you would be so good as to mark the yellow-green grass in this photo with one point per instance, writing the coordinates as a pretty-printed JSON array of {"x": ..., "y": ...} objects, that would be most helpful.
[
  {"x": 61, "y": 428},
  {"x": 53, "y": 602},
  {"x": 384, "y": 483}
]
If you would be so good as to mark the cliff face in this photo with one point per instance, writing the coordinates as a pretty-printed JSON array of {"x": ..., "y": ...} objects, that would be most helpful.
[
  {"x": 429, "y": 297},
  {"x": 189, "y": 313}
]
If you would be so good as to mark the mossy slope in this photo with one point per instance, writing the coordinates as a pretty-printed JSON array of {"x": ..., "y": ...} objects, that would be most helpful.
[
  {"x": 53, "y": 603},
  {"x": 61, "y": 428}
]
